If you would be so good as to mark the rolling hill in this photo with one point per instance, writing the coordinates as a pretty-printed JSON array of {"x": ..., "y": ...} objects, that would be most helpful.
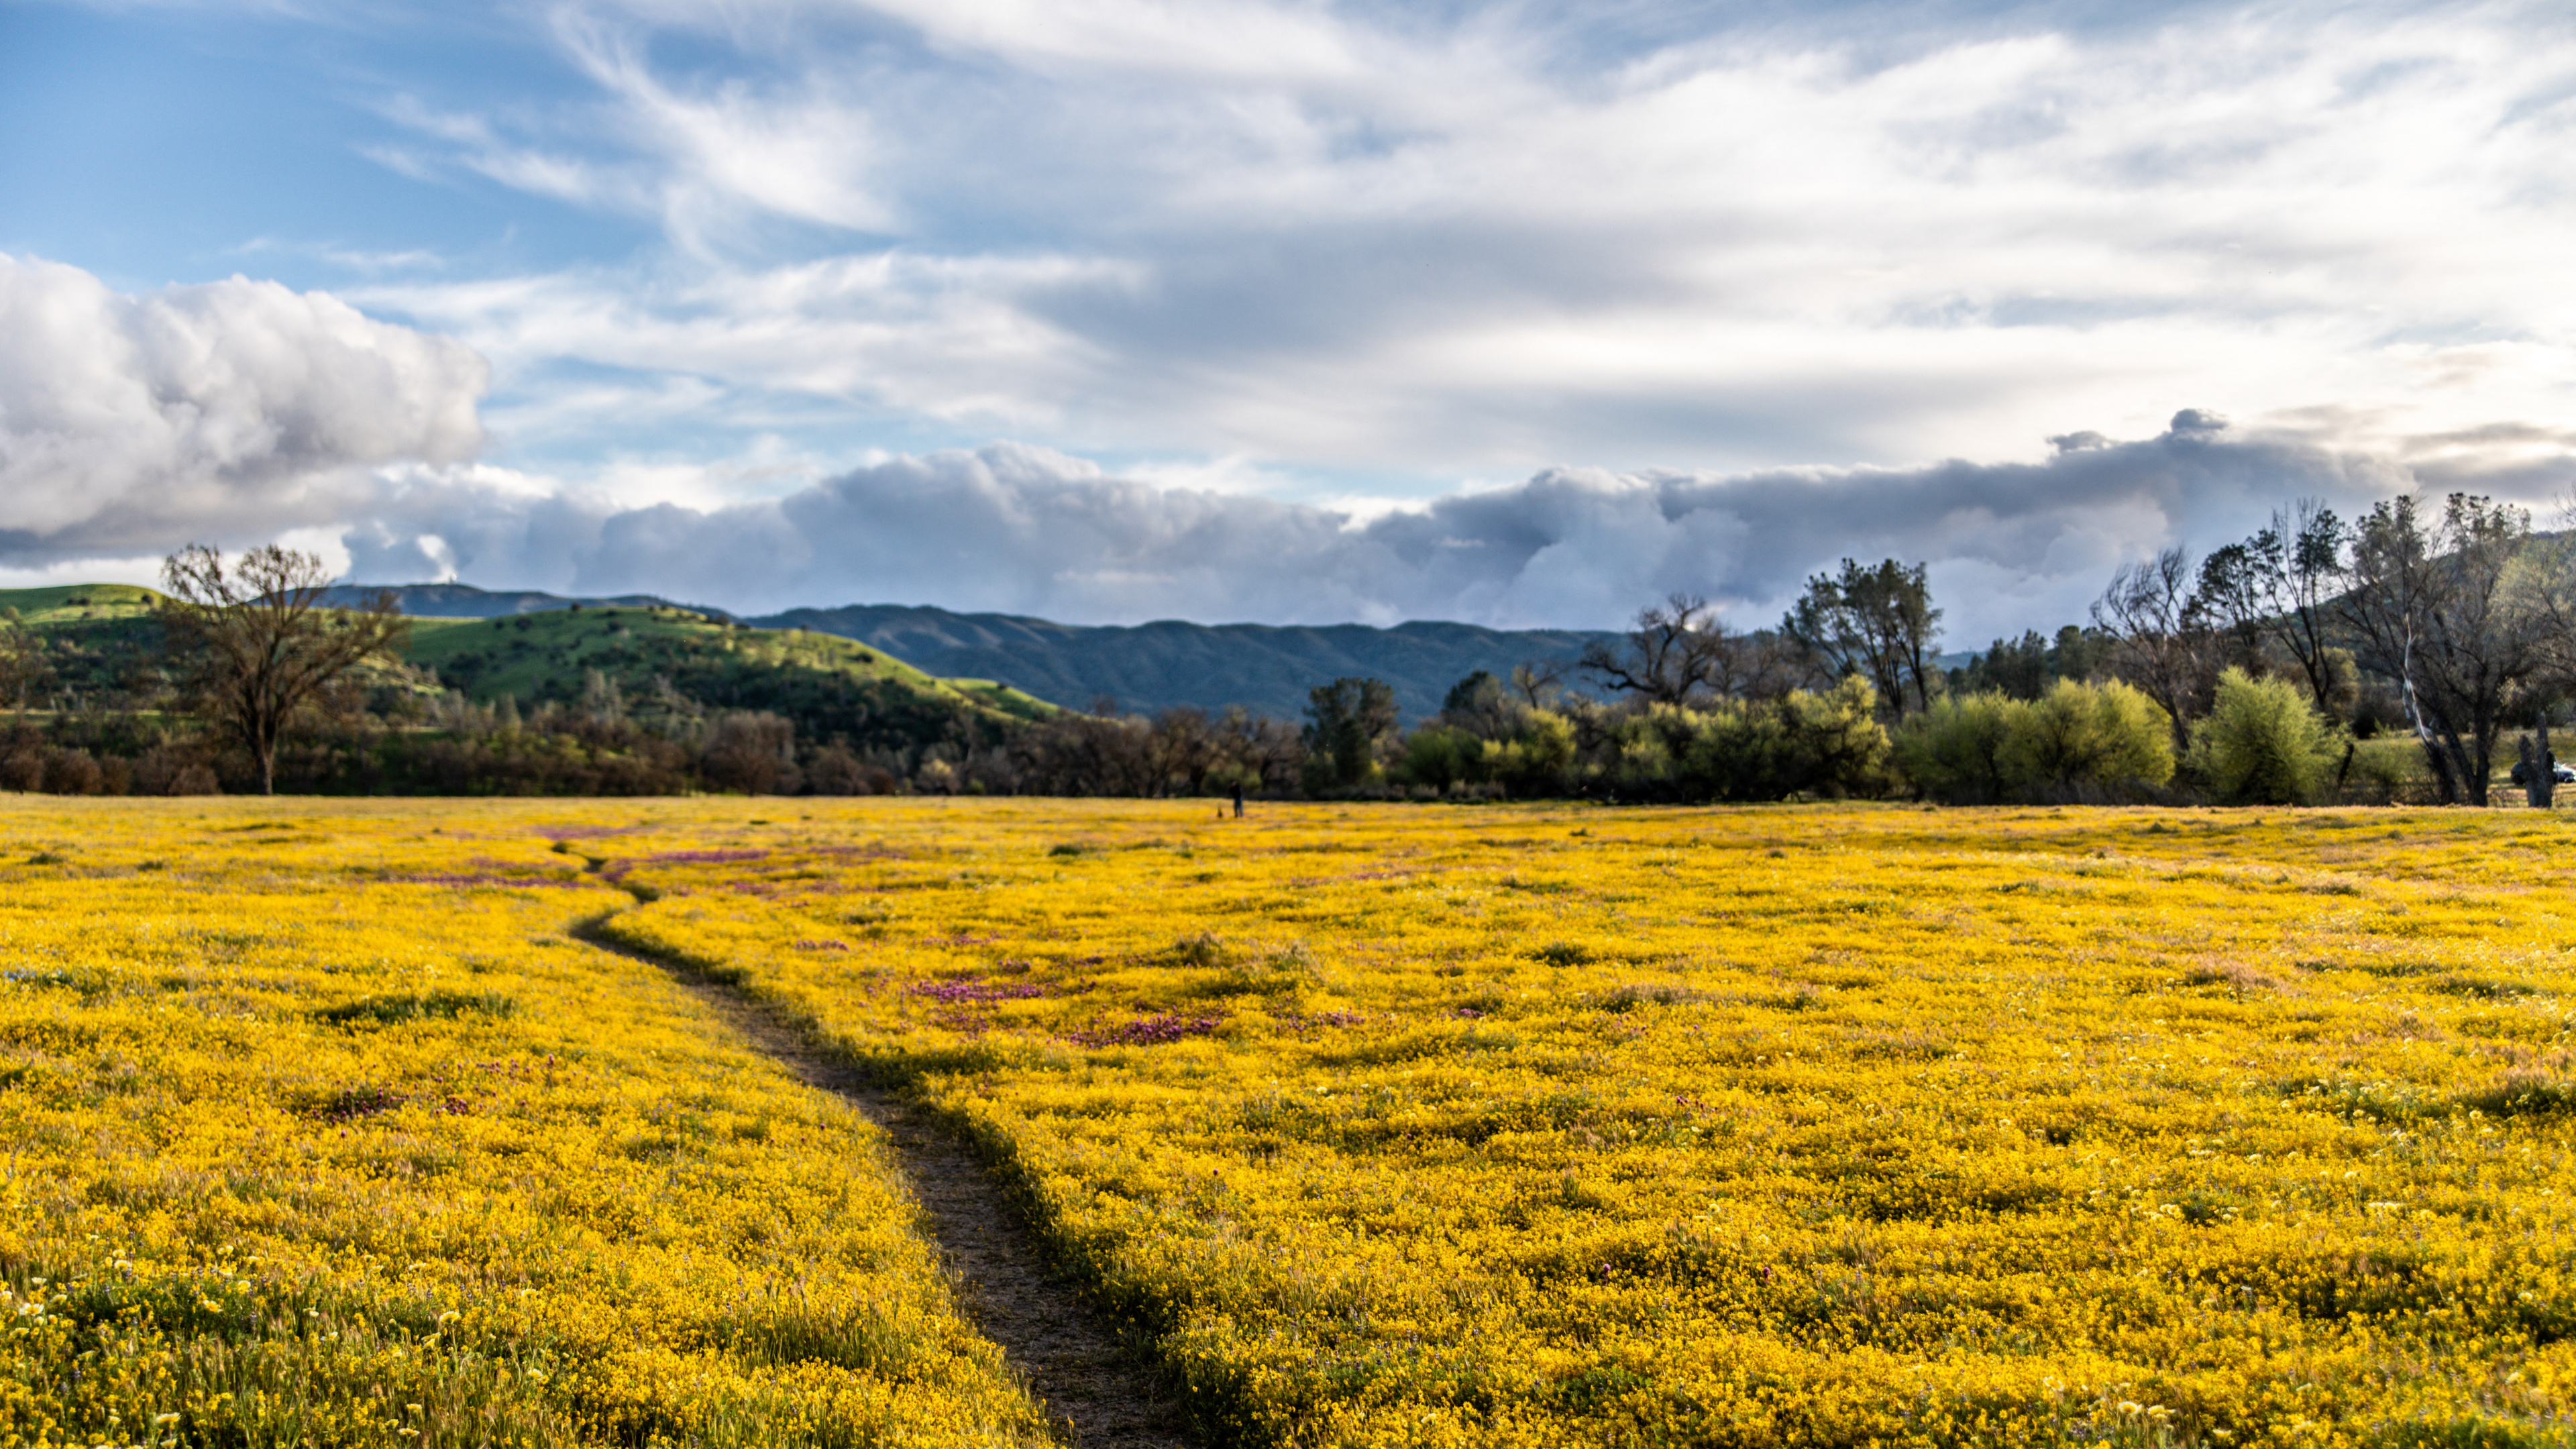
[
  {"x": 464, "y": 601},
  {"x": 828, "y": 685},
  {"x": 1265, "y": 668},
  {"x": 102, "y": 647}
]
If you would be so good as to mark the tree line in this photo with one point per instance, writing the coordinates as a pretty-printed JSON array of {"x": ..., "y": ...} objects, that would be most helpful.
[{"x": 2388, "y": 657}]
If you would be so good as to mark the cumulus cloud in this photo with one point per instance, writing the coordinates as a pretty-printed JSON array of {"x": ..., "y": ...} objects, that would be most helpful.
[
  {"x": 231, "y": 410},
  {"x": 1024, "y": 530}
]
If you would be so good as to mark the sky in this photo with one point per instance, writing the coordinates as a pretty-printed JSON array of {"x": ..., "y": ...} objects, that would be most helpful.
[{"x": 1524, "y": 314}]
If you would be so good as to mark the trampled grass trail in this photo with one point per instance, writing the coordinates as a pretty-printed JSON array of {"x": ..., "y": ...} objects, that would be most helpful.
[{"x": 1395, "y": 1125}]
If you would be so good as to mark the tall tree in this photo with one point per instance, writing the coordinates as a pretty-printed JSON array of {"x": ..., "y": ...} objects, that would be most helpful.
[
  {"x": 1878, "y": 623},
  {"x": 1345, "y": 721},
  {"x": 1539, "y": 682},
  {"x": 2275, "y": 588},
  {"x": 2159, "y": 636},
  {"x": 2018, "y": 668},
  {"x": 254, "y": 643},
  {"x": 2435, "y": 607},
  {"x": 2311, "y": 544}
]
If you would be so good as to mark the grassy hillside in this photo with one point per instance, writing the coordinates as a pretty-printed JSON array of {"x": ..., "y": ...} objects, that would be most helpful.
[
  {"x": 103, "y": 647},
  {"x": 464, "y": 601},
  {"x": 828, "y": 685},
  {"x": 72, "y": 603}
]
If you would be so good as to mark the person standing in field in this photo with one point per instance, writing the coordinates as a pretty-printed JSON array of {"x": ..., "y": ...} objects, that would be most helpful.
[{"x": 1238, "y": 799}]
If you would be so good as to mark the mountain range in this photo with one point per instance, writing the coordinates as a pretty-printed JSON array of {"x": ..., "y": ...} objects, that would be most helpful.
[{"x": 1144, "y": 667}]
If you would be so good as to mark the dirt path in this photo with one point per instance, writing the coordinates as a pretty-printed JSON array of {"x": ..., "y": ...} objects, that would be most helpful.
[{"x": 1094, "y": 1385}]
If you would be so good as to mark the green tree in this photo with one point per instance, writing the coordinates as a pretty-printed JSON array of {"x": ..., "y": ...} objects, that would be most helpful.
[
  {"x": 2262, "y": 742},
  {"x": 2018, "y": 668},
  {"x": 2275, "y": 588},
  {"x": 1878, "y": 623},
  {"x": 1345, "y": 722}
]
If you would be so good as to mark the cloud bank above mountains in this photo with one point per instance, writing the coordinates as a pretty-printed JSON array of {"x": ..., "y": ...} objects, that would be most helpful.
[{"x": 1023, "y": 530}]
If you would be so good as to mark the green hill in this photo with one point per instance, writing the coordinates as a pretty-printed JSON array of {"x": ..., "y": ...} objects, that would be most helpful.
[
  {"x": 829, "y": 686},
  {"x": 71, "y": 603},
  {"x": 103, "y": 647},
  {"x": 1268, "y": 669}
]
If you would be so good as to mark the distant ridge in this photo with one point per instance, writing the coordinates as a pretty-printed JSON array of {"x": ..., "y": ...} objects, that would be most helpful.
[
  {"x": 1265, "y": 668},
  {"x": 464, "y": 601},
  {"x": 1148, "y": 667}
]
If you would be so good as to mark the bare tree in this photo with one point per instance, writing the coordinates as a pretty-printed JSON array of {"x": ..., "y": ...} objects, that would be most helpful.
[
  {"x": 1877, "y": 622},
  {"x": 2440, "y": 610},
  {"x": 2159, "y": 635},
  {"x": 255, "y": 644},
  {"x": 2275, "y": 589},
  {"x": 1679, "y": 650},
  {"x": 2310, "y": 540},
  {"x": 752, "y": 750},
  {"x": 1539, "y": 682}
]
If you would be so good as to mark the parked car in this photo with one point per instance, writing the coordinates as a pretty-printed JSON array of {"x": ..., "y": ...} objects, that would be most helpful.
[{"x": 2564, "y": 774}]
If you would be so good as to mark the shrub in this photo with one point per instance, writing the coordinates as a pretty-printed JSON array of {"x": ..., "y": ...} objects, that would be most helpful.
[
  {"x": 1439, "y": 756},
  {"x": 2078, "y": 741},
  {"x": 1822, "y": 743},
  {"x": 752, "y": 751},
  {"x": 2262, "y": 742},
  {"x": 1958, "y": 750},
  {"x": 1536, "y": 759},
  {"x": 2091, "y": 741},
  {"x": 73, "y": 772}
]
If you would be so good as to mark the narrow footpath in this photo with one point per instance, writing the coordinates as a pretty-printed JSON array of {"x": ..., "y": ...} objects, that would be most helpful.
[{"x": 1094, "y": 1385}]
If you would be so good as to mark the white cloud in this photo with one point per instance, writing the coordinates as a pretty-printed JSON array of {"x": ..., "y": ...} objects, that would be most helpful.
[{"x": 232, "y": 409}]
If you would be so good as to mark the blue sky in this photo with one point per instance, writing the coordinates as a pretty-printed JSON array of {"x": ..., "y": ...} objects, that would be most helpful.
[{"x": 1117, "y": 309}]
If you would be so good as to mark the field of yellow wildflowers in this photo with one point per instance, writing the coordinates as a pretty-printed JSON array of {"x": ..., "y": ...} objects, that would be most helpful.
[
  {"x": 1387, "y": 1126},
  {"x": 1783, "y": 1126},
  {"x": 320, "y": 1131}
]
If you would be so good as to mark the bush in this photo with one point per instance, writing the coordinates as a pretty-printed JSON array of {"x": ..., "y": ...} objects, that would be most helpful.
[
  {"x": 73, "y": 772},
  {"x": 754, "y": 752},
  {"x": 2093, "y": 741},
  {"x": 1828, "y": 743},
  {"x": 1440, "y": 756},
  {"x": 2262, "y": 743},
  {"x": 1958, "y": 750},
  {"x": 2076, "y": 742}
]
